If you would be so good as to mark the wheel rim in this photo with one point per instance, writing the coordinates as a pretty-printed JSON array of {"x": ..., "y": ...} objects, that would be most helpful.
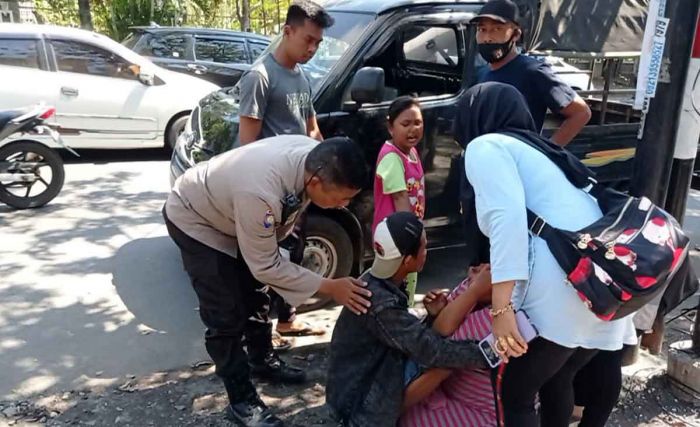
[
  {"x": 320, "y": 256},
  {"x": 27, "y": 162}
]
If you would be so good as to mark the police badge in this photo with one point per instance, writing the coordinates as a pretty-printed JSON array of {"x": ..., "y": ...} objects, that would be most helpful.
[{"x": 269, "y": 220}]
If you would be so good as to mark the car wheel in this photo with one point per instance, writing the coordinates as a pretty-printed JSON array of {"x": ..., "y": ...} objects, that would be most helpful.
[
  {"x": 328, "y": 252},
  {"x": 175, "y": 130}
]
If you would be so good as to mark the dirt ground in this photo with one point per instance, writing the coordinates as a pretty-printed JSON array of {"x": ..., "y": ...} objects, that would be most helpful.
[{"x": 194, "y": 397}]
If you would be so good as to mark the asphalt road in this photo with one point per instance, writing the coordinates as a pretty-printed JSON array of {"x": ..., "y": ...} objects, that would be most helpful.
[{"x": 92, "y": 288}]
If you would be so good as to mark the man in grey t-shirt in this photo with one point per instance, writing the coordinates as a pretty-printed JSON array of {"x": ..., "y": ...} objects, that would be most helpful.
[
  {"x": 275, "y": 99},
  {"x": 275, "y": 95}
]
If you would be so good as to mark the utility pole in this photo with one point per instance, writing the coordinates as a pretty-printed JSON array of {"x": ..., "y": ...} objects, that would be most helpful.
[
  {"x": 654, "y": 158},
  {"x": 686, "y": 149}
]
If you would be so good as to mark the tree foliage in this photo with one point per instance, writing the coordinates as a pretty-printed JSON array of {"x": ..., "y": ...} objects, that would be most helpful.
[{"x": 114, "y": 17}]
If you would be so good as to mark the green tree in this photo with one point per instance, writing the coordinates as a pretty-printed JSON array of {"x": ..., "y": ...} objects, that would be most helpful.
[{"x": 115, "y": 17}]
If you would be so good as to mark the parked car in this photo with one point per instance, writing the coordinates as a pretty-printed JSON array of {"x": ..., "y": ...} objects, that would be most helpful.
[
  {"x": 375, "y": 52},
  {"x": 106, "y": 96},
  {"x": 219, "y": 56}
]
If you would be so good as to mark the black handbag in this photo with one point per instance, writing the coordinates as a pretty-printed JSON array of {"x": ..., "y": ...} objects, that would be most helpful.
[{"x": 623, "y": 260}]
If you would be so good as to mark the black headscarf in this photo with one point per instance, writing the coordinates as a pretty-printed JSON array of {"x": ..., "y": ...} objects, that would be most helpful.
[
  {"x": 490, "y": 108},
  {"x": 500, "y": 108}
]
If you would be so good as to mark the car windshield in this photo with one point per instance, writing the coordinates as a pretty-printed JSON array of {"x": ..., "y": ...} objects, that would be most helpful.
[
  {"x": 336, "y": 40},
  {"x": 130, "y": 40}
]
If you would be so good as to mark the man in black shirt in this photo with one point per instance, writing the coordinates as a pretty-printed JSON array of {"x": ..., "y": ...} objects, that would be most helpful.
[
  {"x": 497, "y": 34},
  {"x": 368, "y": 353}
]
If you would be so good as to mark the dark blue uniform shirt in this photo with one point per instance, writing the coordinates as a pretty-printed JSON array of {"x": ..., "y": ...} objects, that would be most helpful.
[{"x": 536, "y": 81}]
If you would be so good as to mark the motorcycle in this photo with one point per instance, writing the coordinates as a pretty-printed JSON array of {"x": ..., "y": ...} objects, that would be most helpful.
[{"x": 31, "y": 173}]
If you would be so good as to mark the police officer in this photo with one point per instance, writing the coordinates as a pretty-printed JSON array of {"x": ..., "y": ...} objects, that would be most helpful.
[{"x": 227, "y": 216}]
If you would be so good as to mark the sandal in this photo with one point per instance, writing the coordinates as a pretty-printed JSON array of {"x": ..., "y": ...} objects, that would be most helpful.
[{"x": 281, "y": 344}]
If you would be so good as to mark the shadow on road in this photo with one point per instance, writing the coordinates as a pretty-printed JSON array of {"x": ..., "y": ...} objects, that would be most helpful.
[
  {"x": 65, "y": 272},
  {"x": 91, "y": 213},
  {"x": 149, "y": 278},
  {"x": 111, "y": 156}
]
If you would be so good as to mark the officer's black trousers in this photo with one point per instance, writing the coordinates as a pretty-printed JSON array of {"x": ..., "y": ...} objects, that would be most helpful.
[{"x": 232, "y": 304}]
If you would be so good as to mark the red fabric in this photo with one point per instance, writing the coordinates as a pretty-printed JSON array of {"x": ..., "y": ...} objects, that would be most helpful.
[{"x": 696, "y": 45}]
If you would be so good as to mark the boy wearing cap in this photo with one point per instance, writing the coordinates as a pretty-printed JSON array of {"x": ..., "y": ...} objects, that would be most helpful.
[
  {"x": 497, "y": 33},
  {"x": 368, "y": 352}
]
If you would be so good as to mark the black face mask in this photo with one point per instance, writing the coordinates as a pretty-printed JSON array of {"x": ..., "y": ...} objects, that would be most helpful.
[{"x": 494, "y": 52}]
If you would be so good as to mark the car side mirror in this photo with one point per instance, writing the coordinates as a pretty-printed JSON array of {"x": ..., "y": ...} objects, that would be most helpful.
[
  {"x": 147, "y": 79},
  {"x": 367, "y": 86}
]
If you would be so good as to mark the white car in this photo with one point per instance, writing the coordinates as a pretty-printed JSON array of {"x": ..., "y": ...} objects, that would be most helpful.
[{"x": 106, "y": 96}]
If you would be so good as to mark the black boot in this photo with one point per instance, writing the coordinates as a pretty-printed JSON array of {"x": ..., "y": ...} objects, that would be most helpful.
[
  {"x": 252, "y": 412},
  {"x": 274, "y": 369}
]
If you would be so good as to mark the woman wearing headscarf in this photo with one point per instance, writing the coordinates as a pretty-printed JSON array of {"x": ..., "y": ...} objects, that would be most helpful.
[{"x": 508, "y": 176}]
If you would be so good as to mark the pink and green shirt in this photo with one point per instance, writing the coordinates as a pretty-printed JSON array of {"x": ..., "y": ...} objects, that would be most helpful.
[{"x": 397, "y": 172}]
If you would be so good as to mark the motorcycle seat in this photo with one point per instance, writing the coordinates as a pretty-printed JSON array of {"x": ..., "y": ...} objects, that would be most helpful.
[{"x": 7, "y": 115}]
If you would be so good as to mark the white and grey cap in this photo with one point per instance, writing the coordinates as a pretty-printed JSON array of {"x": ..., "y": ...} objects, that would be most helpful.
[{"x": 396, "y": 237}]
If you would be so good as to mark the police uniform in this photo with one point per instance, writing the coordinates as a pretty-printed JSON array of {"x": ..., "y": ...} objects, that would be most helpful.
[{"x": 228, "y": 216}]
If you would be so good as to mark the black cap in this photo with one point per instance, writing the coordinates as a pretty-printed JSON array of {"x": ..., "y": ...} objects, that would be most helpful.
[
  {"x": 396, "y": 237},
  {"x": 499, "y": 10}
]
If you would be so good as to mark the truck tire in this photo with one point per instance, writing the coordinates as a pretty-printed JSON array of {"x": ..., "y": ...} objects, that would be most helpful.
[{"x": 328, "y": 250}]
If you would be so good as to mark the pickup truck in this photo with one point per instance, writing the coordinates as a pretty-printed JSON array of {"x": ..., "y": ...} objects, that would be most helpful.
[{"x": 375, "y": 52}]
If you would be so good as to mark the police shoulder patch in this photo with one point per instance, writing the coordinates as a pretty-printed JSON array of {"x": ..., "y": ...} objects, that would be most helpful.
[{"x": 269, "y": 220}]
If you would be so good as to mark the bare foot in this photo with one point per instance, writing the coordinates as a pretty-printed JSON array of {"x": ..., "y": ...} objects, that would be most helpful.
[{"x": 298, "y": 328}]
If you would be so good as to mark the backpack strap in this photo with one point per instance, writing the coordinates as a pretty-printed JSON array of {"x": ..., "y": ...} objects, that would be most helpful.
[
  {"x": 578, "y": 174},
  {"x": 538, "y": 226},
  {"x": 567, "y": 255},
  {"x": 575, "y": 172}
]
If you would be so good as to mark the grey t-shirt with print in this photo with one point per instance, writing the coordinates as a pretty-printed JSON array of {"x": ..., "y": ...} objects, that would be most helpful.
[{"x": 278, "y": 96}]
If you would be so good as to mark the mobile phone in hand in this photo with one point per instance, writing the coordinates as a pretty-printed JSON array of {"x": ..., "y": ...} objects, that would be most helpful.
[
  {"x": 527, "y": 330},
  {"x": 489, "y": 351}
]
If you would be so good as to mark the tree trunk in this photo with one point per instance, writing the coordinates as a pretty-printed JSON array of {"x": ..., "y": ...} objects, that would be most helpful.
[
  {"x": 264, "y": 19},
  {"x": 85, "y": 16},
  {"x": 245, "y": 15},
  {"x": 238, "y": 11},
  {"x": 279, "y": 16}
]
